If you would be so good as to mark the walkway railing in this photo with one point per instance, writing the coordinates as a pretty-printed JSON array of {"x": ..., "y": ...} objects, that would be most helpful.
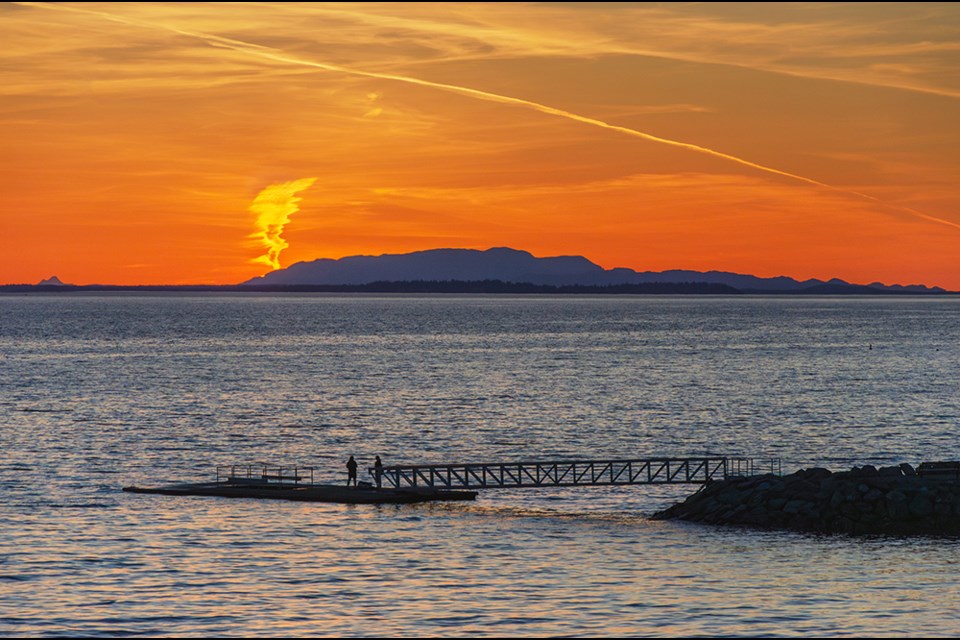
[
  {"x": 265, "y": 473},
  {"x": 573, "y": 473},
  {"x": 753, "y": 466}
]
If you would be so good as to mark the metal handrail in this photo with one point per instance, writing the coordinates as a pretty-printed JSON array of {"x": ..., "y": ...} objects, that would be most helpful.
[
  {"x": 261, "y": 473},
  {"x": 754, "y": 466}
]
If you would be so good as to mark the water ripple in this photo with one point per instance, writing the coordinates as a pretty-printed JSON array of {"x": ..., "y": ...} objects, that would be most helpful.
[{"x": 154, "y": 389}]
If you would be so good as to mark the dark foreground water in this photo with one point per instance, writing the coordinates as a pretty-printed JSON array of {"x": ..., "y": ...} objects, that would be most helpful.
[{"x": 99, "y": 392}]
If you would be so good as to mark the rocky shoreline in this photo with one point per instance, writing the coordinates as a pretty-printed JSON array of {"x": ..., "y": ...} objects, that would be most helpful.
[{"x": 864, "y": 500}]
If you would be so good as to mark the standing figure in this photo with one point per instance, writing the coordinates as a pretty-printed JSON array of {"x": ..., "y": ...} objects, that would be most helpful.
[
  {"x": 377, "y": 471},
  {"x": 351, "y": 471}
]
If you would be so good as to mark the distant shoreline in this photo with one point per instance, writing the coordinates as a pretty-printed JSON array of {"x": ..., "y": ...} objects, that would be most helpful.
[{"x": 482, "y": 287}]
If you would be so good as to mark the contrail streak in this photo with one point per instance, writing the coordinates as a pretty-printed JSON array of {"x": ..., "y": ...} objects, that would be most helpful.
[{"x": 270, "y": 54}]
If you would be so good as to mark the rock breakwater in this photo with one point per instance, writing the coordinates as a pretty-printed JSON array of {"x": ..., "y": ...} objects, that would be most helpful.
[{"x": 864, "y": 500}]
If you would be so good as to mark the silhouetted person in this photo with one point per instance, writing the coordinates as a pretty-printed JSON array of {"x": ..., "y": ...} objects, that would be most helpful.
[
  {"x": 377, "y": 471},
  {"x": 351, "y": 471}
]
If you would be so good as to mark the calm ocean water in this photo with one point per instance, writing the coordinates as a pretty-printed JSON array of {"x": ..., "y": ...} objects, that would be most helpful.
[{"x": 99, "y": 392}]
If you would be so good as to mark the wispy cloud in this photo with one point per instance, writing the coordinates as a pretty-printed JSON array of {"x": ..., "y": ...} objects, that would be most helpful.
[
  {"x": 854, "y": 44},
  {"x": 267, "y": 53}
]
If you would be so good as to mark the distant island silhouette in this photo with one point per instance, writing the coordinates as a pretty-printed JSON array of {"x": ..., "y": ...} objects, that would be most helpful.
[
  {"x": 505, "y": 268},
  {"x": 499, "y": 270}
]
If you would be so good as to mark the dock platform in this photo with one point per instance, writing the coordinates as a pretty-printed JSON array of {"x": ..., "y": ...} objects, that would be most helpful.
[
  {"x": 297, "y": 483},
  {"x": 312, "y": 493}
]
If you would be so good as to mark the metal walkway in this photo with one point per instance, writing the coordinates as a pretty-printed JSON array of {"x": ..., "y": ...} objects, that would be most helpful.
[{"x": 574, "y": 473}]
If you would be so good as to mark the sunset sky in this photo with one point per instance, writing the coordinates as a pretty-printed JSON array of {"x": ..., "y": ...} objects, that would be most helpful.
[{"x": 140, "y": 140}]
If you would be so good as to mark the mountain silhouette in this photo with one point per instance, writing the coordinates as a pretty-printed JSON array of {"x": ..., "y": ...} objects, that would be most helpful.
[{"x": 515, "y": 266}]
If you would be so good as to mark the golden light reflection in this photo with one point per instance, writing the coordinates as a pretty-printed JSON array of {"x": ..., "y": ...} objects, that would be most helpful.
[{"x": 273, "y": 207}]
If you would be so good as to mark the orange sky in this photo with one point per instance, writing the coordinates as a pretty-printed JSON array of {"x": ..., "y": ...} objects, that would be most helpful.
[{"x": 809, "y": 140}]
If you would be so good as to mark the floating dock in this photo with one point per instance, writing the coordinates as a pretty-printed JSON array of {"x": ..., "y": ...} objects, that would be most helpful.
[{"x": 297, "y": 483}]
